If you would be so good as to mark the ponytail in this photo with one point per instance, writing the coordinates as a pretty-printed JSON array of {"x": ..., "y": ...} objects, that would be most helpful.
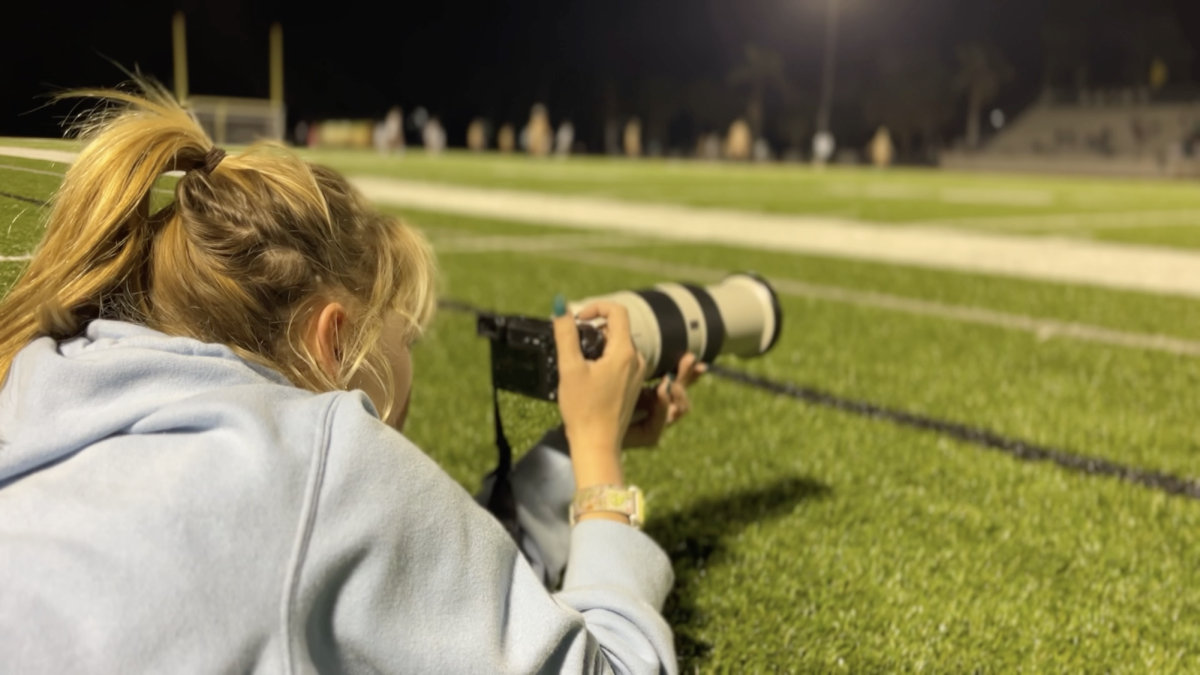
[
  {"x": 92, "y": 260},
  {"x": 238, "y": 258}
]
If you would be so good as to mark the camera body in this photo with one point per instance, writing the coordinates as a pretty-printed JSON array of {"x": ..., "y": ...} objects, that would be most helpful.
[{"x": 524, "y": 357}]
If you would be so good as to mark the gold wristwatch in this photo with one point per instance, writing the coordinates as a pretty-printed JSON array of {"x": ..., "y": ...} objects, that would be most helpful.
[{"x": 625, "y": 501}]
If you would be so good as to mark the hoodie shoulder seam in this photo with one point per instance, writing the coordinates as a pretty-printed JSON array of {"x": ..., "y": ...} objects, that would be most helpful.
[{"x": 308, "y": 517}]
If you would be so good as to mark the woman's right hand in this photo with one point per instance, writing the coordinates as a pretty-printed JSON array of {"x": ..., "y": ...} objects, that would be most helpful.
[{"x": 597, "y": 398}]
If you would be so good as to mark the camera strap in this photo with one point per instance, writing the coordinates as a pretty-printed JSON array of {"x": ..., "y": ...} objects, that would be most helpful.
[{"x": 502, "y": 502}]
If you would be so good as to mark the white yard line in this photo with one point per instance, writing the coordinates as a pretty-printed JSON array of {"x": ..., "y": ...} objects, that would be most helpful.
[
  {"x": 1112, "y": 265},
  {"x": 1082, "y": 221},
  {"x": 534, "y": 244},
  {"x": 949, "y": 195},
  {"x": 25, "y": 169},
  {"x": 15, "y": 258}
]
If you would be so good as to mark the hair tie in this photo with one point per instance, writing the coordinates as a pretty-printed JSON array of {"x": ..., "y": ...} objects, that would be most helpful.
[{"x": 211, "y": 159}]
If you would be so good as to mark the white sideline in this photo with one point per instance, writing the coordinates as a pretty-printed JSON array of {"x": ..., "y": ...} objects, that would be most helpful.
[
  {"x": 38, "y": 153},
  {"x": 1112, "y": 265}
]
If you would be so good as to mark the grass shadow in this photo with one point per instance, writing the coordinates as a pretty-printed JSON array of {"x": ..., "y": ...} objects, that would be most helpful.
[{"x": 693, "y": 536}]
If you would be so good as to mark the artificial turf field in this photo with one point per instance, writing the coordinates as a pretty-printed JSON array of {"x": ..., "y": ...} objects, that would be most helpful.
[{"x": 808, "y": 539}]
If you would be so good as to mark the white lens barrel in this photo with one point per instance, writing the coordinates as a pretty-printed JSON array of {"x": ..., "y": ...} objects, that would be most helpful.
[
  {"x": 750, "y": 311},
  {"x": 740, "y": 316}
]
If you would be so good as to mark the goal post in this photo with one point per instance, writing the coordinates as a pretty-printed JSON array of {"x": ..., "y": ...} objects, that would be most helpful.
[{"x": 231, "y": 119}]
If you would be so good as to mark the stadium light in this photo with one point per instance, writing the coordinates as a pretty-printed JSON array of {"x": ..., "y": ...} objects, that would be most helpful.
[
  {"x": 830, "y": 61},
  {"x": 823, "y": 143}
]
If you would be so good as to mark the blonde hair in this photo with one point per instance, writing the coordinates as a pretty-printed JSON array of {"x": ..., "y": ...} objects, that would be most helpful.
[{"x": 243, "y": 255}]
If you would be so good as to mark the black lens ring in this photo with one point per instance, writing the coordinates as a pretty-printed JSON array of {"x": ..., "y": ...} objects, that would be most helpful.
[
  {"x": 672, "y": 330},
  {"x": 714, "y": 325}
]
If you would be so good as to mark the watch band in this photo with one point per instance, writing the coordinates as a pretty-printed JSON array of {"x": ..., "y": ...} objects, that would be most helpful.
[{"x": 625, "y": 501}]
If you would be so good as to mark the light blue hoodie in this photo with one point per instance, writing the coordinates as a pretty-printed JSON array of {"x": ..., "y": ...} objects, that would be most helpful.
[{"x": 167, "y": 507}]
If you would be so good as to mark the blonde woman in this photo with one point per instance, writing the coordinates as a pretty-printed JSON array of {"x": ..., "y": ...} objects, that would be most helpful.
[{"x": 201, "y": 468}]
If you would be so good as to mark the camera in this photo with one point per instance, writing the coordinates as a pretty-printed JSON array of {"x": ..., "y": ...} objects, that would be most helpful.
[{"x": 739, "y": 315}]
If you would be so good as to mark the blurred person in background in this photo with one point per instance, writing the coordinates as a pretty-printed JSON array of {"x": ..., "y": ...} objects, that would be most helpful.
[
  {"x": 737, "y": 142},
  {"x": 434, "y": 137},
  {"x": 202, "y": 463},
  {"x": 882, "y": 148},
  {"x": 633, "y": 138},
  {"x": 506, "y": 140},
  {"x": 379, "y": 138},
  {"x": 300, "y": 133},
  {"x": 564, "y": 139},
  {"x": 393, "y": 126},
  {"x": 709, "y": 147},
  {"x": 477, "y": 135},
  {"x": 540, "y": 135},
  {"x": 762, "y": 150}
]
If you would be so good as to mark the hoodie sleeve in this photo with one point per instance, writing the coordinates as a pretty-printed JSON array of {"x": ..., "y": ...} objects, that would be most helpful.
[
  {"x": 397, "y": 568},
  {"x": 543, "y": 484}
]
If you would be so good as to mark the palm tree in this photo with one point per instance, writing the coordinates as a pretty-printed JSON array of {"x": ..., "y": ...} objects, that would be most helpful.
[
  {"x": 981, "y": 72},
  {"x": 762, "y": 70}
]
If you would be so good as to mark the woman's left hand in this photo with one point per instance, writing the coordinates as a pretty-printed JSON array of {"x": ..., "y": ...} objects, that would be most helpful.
[{"x": 659, "y": 407}]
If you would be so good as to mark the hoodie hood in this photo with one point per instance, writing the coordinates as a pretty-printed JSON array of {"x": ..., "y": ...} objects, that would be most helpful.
[{"x": 61, "y": 397}]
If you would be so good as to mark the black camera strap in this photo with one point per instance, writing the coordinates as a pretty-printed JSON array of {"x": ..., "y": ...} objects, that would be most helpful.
[{"x": 502, "y": 503}]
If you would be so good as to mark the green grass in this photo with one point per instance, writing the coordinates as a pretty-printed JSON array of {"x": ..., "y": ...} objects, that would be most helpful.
[
  {"x": 803, "y": 537},
  {"x": 20, "y": 219},
  {"x": 1170, "y": 237},
  {"x": 806, "y": 539},
  {"x": 9, "y": 271}
]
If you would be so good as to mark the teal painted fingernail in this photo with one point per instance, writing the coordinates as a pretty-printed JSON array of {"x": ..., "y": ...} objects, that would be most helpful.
[
  {"x": 560, "y": 305},
  {"x": 670, "y": 379}
]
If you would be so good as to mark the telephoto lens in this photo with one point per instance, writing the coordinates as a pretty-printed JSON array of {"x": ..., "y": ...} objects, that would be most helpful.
[{"x": 739, "y": 316}]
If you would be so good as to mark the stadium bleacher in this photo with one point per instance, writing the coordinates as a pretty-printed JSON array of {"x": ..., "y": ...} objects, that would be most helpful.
[{"x": 1118, "y": 133}]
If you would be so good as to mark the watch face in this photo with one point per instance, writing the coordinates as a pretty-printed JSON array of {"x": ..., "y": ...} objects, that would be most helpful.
[
  {"x": 639, "y": 511},
  {"x": 621, "y": 501}
]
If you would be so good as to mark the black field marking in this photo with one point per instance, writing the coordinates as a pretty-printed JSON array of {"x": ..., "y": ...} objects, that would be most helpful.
[
  {"x": 1014, "y": 447},
  {"x": 31, "y": 200}
]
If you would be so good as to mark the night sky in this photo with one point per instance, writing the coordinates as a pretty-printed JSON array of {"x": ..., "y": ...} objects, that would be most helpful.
[{"x": 461, "y": 59}]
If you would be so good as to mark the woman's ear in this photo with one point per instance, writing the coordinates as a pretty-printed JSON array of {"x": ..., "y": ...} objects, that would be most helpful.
[{"x": 324, "y": 337}]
